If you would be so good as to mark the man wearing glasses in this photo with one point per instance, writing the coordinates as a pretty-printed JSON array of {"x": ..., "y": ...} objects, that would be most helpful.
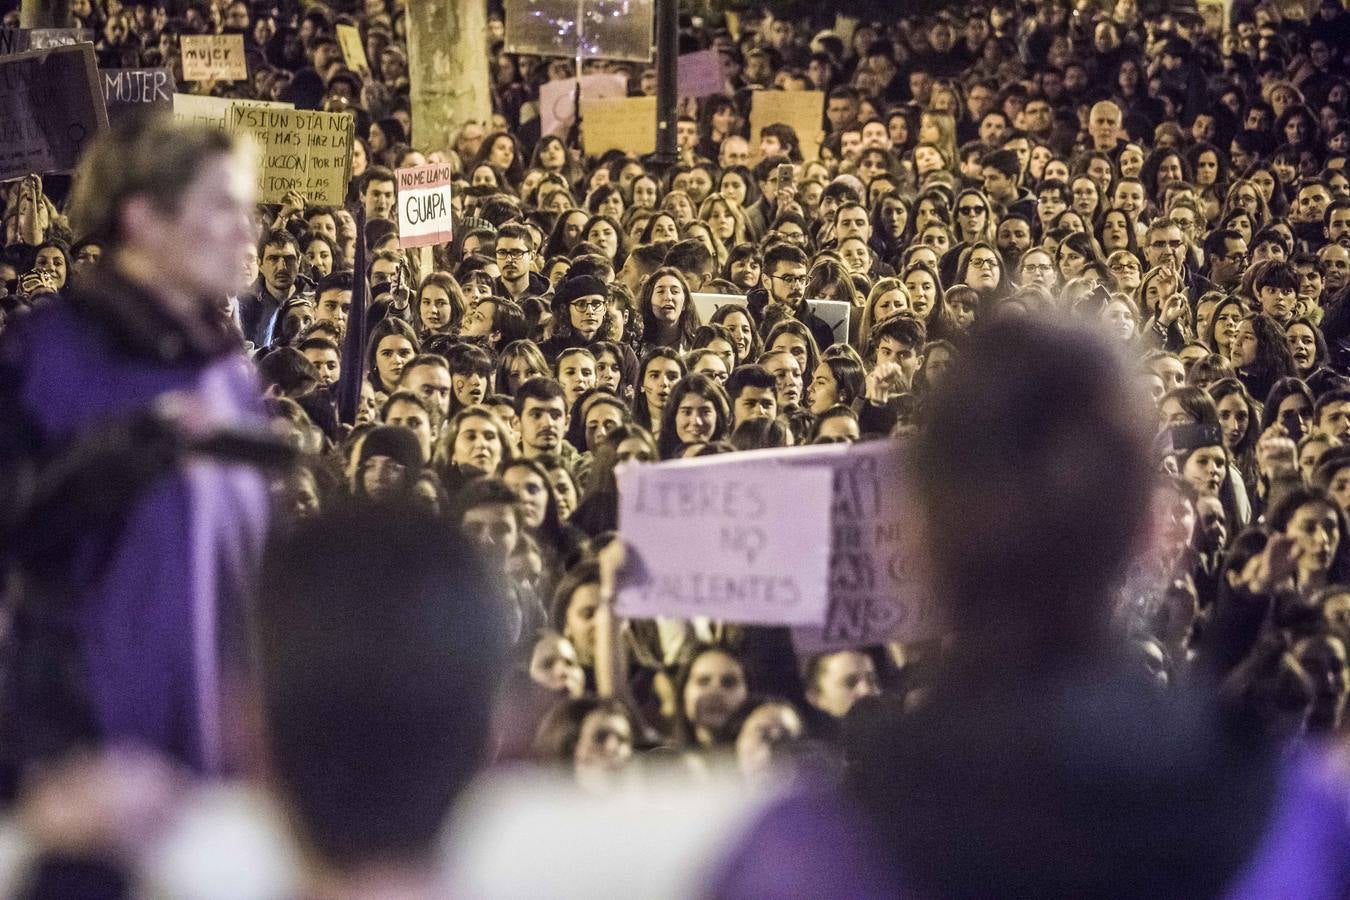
[
  {"x": 1226, "y": 255},
  {"x": 1165, "y": 245},
  {"x": 515, "y": 258},
  {"x": 785, "y": 279}
]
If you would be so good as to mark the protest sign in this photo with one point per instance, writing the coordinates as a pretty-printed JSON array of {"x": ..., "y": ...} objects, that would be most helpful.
[
  {"x": 126, "y": 90},
  {"x": 846, "y": 27},
  {"x": 213, "y": 57},
  {"x": 558, "y": 99},
  {"x": 876, "y": 592},
  {"x": 424, "y": 215},
  {"x": 51, "y": 107},
  {"x": 213, "y": 110},
  {"x": 736, "y": 543},
  {"x": 353, "y": 50},
  {"x": 619, "y": 123},
  {"x": 610, "y": 29},
  {"x": 700, "y": 74},
  {"x": 22, "y": 40},
  {"x": 800, "y": 109},
  {"x": 298, "y": 150}
]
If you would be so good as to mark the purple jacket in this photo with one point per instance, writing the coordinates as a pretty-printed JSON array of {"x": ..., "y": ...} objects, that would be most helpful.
[{"x": 153, "y": 617}]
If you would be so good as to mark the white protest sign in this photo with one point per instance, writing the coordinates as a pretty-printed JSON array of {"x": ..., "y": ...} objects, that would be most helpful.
[
  {"x": 558, "y": 99},
  {"x": 424, "y": 215},
  {"x": 738, "y": 543},
  {"x": 212, "y": 110},
  {"x": 213, "y": 57}
]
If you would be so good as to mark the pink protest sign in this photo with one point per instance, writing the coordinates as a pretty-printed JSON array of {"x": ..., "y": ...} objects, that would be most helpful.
[
  {"x": 558, "y": 99},
  {"x": 424, "y": 211},
  {"x": 700, "y": 74},
  {"x": 739, "y": 543}
]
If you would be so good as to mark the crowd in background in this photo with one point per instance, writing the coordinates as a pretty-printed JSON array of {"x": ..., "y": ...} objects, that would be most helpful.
[{"x": 1178, "y": 186}]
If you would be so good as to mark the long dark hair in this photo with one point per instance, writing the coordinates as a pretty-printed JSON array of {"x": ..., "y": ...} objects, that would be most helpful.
[
  {"x": 668, "y": 444},
  {"x": 688, "y": 323},
  {"x": 642, "y": 415},
  {"x": 1273, "y": 359}
]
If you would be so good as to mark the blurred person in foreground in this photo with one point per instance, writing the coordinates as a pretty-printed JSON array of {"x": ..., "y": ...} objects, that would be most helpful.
[{"x": 130, "y": 556}]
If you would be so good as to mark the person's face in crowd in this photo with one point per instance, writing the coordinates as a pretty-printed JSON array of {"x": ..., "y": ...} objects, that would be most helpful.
[
  {"x": 519, "y": 371},
  {"x": 1166, "y": 246},
  {"x": 845, "y": 678},
  {"x": 788, "y": 342},
  {"x": 907, "y": 357},
  {"x": 391, "y": 355},
  {"x": 715, "y": 691},
  {"x": 478, "y": 445},
  {"x": 983, "y": 269},
  {"x": 971, "y": 216},
  {"x": 320, "y": 257},
  {"x": 1226, "y": 270},
  {"x": 1265, "y": 183},
  {"x": 1295, "y": 414},
  {"x": 555, "y": 667},
  {"x": 824, "y": 390},
  {"x": 787, "y": 285},
  {"x": 327, "y": 362},
  {"x": 603, "y": 235},
  {"x": 993, "y": 128},
  {"x": 1315, "y": 528},
  {"x": 612, "y": 206},
  {"x": 1205, "y": 469},
  {"x": 755, "y": 403},
  {"x": 1335, "y": 421},
  {"x": 1338, "y": 227},
  {"x": 856, "y": 256},
  {"x": 722, "y": 222},
  {"x": 1014, "y": 238},
  {"x": 657, "y": 382},
  {"x": 1171, "y": 371},
  {"x": 734, "y": 188},
  {"x": 415, "y": 419},
  {"x": 770, "y": 726},
  {"x": 1115, "y": 231},
  {"x": 1159, "y": 289},
  {"x": 1171, "y": 412},
  {"x": 927, "y": 159},
  {"x": 1127, "y": 272},
  {"x": 1312, "y": 203},
  {"x": 1119, "y": 320},
  {"x": 494, "y": 529},
  {"x": 531, "y": 490},
  {"x": 711, "y": 365},
  {"x": 1267, "y": 249},
  {"x": 514, "y": 257},
  {"x": 433, "y": 384},
  {"x": 1169, "y": 171},
  {"x": 470, "y": 387},
  {"x": 1050, "y": 203},
  {"x": 379, "y": 200},
  {"x": 1323, "y": 658},
  {"x": 668, "y": 300},
  {"x": 1187, "y": 220},
  {"x": 644, "y": 194},
  {"x": 503, "y": 153},
  {"x": 1310, "y": 454},
  {"x": 1234, "y": 420},
  {"x": 53, "y": 262},
  {"x": 698, "y": 184},
  {"x": 280, "y": 266},
  {"x": 742, "y": 330},
  {"x": 874, "y": 134},
  {"x": 333, "y": 306},
  {"x": 695, "y": 419},
  {"x": 962, "y": 310},
  {"x": 787, "y": 375},
  {"x": 1336, "y": 261},
  {"x": 435, "y": 308},
  {"x": 607, "y": 371},
  {"x": 576, "y": 374},
  {"x": 1244, "y": 349},
  {"x": 852, "y": 222},
  {"x": 1277, "y": 302},
  {"x": 922, "y": 292},
  {"x": 601, "y": 419},
  {"x": 735, "y": 151},
  {"x": 664, "y": 229},
  {"x": 382, "y": 477},
  {"x": 1310, "y": 282},
  {"x": 586, "y": 315},
  {"x": 483, "y": 176},
  {"x": 1037, "y": 267},
  {"x": 603, "y": 750},
  {"x": 1128, "y": 197}
]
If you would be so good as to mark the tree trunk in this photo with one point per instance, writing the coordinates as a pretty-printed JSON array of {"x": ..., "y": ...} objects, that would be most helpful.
[
  {"x": 45, "y": 14},
  {"x": 448, "y": 64}
]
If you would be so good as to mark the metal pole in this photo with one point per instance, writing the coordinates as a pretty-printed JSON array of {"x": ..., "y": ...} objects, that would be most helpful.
[{"x": 667, "y": 53}]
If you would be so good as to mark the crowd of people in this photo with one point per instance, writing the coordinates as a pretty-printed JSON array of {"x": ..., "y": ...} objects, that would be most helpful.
[{"x": 1176, "y": 186}]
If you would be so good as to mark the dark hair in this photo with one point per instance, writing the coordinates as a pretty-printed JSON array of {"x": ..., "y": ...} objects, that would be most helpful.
[
  {"x": 403, "y": 732},
  {"x": 668, "y": 442},
  {"x": 389, "y": 326},
  {"x": 288, "y": 369},
  {"x": 688, "y": 322},
  {"x": 901, "y": 327},
  {"x": 642, "y": 414}
]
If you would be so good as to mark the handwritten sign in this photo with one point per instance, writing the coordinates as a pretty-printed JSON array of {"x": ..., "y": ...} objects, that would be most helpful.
[
  {"x": 213, "y": 57},
  {"x": 558, "y": 99},
  {"x": 126, "y": 90},
  {"x": 298, "y": 150},
  {"x": 732, "y": 542},
  {"x": 353, "y": 50},
  {"x": 800, "y": 109},
  {"x": 424, "y": 215},
  {"x": 700, "y": 74},
  {"x": 213, "y": 110},
  {"x": 51, "y": 107},
  {"x": 619, "y": 123},
  {"x": 22, "y": 40}
]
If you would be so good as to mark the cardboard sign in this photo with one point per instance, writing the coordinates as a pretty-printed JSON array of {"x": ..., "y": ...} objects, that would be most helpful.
[
  {"x": 738, "y": 543},
  {"x": 126, "y": 90},
  {"x": 213, "y": 57},
  {"x": 619, "y": 123},
  {"x": 846, "y": 27},
  {"x": 876, "y": 592},
  {"x": 700, "y": 74},
  {"x": 558, "y": 99},
  {"x": 22, "y": 40},
  {"x": 424, "y": 211},
  {"x": 213, "y": 110},
  {"x": 298, "y": 150},
  {"x": 51, "y": 107},
  {"x": 353, "y": 50},
  {"x": 800, "y": 109}
]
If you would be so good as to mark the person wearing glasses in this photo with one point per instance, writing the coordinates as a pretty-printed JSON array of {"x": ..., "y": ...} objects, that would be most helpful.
[
  {"x": 1165, "y": 245},
  {"x": 785, "y": 278},
  {"x": 579, "y": 313},
  {"x": 515, "y": 259},
  {"x": 1226, "y": 257}
]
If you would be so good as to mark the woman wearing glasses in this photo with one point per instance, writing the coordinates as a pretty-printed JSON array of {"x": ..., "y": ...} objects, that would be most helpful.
[
  {"x": 973, "y": 221},
  {"x": 580, "y": 307}
]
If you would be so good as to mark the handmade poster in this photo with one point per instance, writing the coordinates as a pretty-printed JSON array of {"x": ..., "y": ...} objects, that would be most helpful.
[
  {"x": 353, "y": 49},
  {"x": 213, "y": 110},
  {"x": 424, "y": 211},
  {"x": 619, "y": 123},
  {"x": 298, "y": 150},
  {"x": 51, "y": 107},
  {"x": 558, "y": 99},
  {"x": 800, "y": 109},
  {"x": 127, "y": 90},
  {"x": 213, "y": 57},
  {"x": 737, "y": 543}
]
